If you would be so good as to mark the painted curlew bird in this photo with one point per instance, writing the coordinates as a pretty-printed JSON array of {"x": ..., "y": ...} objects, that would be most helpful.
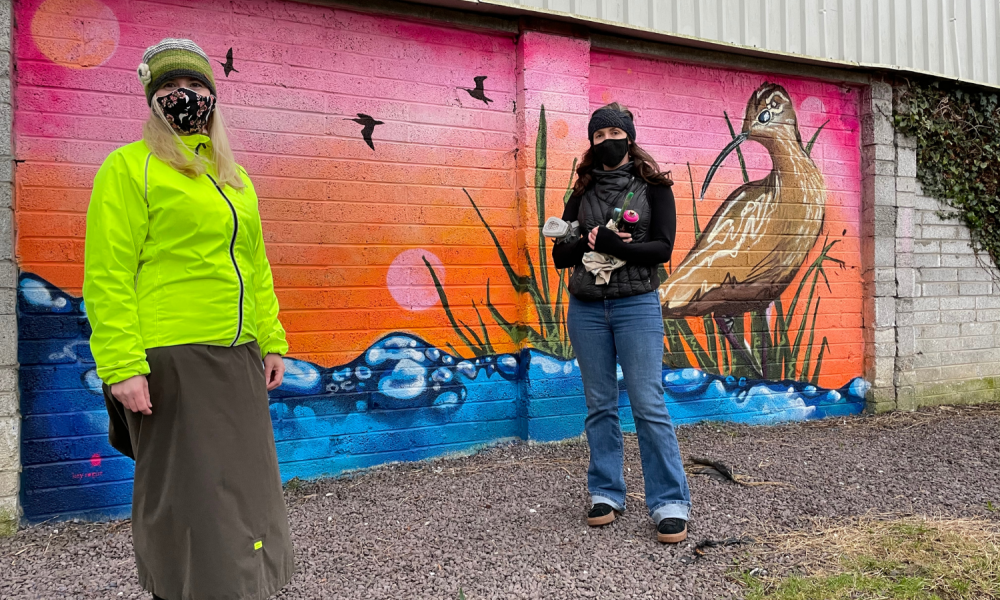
[{"x": 758, "y": 239}]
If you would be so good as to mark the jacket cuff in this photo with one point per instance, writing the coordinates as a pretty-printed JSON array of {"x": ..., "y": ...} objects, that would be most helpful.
[
  {"x": 113, "y": 375},
  {"x": 273, "y": 346},
  {"x": 607, "y": 241}
]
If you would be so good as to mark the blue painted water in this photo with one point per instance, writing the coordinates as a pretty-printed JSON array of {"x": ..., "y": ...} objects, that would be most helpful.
[{"x": 401, "y": 399}]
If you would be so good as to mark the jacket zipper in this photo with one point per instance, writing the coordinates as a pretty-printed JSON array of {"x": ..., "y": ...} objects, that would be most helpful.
[{"x": 232, "y": 256}]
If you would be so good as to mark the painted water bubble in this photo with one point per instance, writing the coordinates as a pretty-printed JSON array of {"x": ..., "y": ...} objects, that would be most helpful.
[
  {"x": 407, "y": 381},
  {"x": 394, "y": 348},
  {"x": 300, "y": 376},
  {"x": 467, "y": 369},
  {"x": 41, "y": 296},
  {"x": 507, "y": 364},
  {"x": 441, "y": 375}
]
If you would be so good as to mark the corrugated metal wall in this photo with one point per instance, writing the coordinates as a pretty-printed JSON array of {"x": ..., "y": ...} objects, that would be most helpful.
[{"x": 952, "y": 38}]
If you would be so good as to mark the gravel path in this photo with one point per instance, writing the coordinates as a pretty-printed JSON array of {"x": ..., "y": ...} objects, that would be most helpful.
[{"x": 509, "y": 522}]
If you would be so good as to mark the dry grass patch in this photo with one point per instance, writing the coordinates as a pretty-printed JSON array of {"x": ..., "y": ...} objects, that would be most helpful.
[{"x": 911, "y": 558}]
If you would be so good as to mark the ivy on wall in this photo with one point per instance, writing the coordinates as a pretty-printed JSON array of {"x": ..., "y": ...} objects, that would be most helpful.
[{"x": 958, "y": 154}]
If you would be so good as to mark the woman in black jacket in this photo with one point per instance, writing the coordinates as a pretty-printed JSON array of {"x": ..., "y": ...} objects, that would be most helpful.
[{"x": 614, "y": 315}]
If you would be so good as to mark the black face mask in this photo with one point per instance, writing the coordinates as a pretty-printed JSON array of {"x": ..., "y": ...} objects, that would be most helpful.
[{"x": 611, "y": 152}]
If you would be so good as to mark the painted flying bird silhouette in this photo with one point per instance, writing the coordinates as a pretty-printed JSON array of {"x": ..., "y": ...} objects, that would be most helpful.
[
  {"x": 369, "y": 127},
  {"x": 758, "y": 239},
  {"x": 478, "y": 93},
  {"x": 228, "y": 65}
]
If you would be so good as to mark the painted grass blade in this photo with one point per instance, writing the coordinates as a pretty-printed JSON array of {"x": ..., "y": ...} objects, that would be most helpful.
[
  {"x": 739, "y": 153},
  {"x": 517, "y": 333},
  {"x": 541, "y": 168},
  {"x": 809, "y": 345},
  {"x": 477, "y": 349},
  {"x": 705, "y": 362},
  {"x": 819, "y": 362},
  {"x": 711, "y": 339},
  {"x": 674, "y": 355},
  {"x": 520, "y": 284},
  {"x": 486, "y": 334},
  {"x": 758, "y": 329},
  {"x": 809, "y": 147},
  {"x": 694, "y": 207},
  {"x": 803, "y": 321},
  {"x": 542, "y": 307},
  {"x": 472, "y": 332},
  {"x": 569, "y": 186}
]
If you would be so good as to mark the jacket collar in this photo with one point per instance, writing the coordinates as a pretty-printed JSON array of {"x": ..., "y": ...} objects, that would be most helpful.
[{"x": 198, "y": 143}]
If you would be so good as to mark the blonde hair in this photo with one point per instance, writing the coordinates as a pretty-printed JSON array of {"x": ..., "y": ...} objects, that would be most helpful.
[{"x": 167, "y": 146}]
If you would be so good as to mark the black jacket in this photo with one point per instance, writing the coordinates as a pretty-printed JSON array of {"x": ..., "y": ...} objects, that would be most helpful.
[{"x": 652, "y": 240}]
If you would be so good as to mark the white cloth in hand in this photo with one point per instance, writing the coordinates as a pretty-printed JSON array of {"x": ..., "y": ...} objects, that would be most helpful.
[{"x": 602, "y": 265}]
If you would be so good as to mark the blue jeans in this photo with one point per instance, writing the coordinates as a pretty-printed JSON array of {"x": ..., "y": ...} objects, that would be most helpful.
[{"x": 630, "y": 329}]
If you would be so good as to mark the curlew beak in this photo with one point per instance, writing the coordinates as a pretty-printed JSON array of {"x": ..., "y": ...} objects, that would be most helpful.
[{"x": 722, "y": 156}]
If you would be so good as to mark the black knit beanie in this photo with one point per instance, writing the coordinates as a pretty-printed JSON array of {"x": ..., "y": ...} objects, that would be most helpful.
[{"x": 607, "y": 117}]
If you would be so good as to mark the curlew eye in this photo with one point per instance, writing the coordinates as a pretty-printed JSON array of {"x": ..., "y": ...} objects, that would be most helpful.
[
  {"x": 774, "y": 104},
  {"x": 765, "y": 116}
]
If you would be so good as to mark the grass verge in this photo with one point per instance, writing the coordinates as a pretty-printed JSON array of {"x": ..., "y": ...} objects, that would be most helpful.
[{"x": 910, "y": 558}]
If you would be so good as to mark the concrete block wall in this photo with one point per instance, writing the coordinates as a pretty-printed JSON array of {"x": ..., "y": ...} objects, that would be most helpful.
[
  {"x": 948, "y": 302},
  {"x": 878, "y": 239},
  {"x": 10, "y": 421}
]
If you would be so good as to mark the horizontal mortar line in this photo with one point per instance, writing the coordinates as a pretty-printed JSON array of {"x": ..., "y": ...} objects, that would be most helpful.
[
  {"x": 439, "y": 246},
  {"x": 403, "y": 144},
  {"x": 371, "y": 266},
  {"x": 243, "y": 107},
  {"x": 414, "y": 330},
  {"x": 404, "y": 64},
  {"x": 39, "y": 416},
  {"x": 92, "y": 117},
  {"x": 343, "y": 94},
  {"x": 48, "y": 212},
  {"x": 378, "y": 225},
  {"x": 290, "y": 178},
  {"x": 384, "y": 411},
  {"x": 63, "y": 463},
  {"x": 95, "y": 411},
  {"x": 43, "y": 517},
  {"x": 488, "y": 442},
  {"x": 489, "y": 34},
  {"x": 238, "y": 130},
  {"x": 400, "y": 42},
  {"x": 89, "y": 486}
]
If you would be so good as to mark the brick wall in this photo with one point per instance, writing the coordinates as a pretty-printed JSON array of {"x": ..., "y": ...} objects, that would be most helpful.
[{"x": 385, "y": 363}]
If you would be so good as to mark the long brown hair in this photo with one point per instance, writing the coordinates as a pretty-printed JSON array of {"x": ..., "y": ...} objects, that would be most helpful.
[{"x": 643, "y": 163}]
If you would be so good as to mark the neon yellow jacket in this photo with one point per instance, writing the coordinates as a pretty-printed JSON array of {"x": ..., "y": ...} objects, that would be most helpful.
[{"x": 166, "y": 264}]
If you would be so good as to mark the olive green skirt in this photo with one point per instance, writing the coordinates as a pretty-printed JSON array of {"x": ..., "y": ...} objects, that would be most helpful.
[{"x": 208, "y": 517}]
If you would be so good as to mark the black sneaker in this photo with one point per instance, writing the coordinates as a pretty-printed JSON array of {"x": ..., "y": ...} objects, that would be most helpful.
[
  {"x": 672, "y": 531},
  {"x": 600, "y": 514}
]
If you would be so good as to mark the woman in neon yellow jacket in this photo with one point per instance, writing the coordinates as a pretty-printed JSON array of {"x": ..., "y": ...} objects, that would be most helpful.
[{"x": 186, "y": 336}]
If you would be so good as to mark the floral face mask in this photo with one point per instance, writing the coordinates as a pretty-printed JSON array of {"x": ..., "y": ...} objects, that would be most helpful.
[{"x": 186, "y": 110}]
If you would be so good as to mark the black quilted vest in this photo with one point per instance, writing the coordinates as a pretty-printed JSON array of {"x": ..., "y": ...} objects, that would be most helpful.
[{"x": 597, "y": 204}]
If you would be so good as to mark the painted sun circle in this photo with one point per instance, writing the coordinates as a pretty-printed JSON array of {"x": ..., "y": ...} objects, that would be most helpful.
[
  {"x": 410, "y": 282},
  {"x": 78, "y": 34}
]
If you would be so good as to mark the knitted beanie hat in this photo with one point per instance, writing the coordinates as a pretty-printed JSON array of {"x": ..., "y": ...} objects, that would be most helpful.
[
  {"x": 174, "y": 58},
  {"x": 608, "y": 117}
]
